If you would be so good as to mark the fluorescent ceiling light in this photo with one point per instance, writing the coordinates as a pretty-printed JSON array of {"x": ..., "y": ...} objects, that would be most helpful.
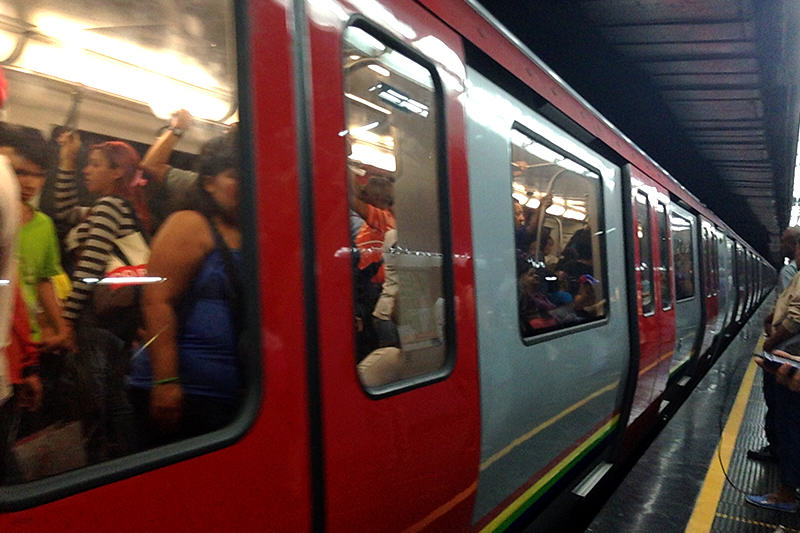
[
  {"x": 379, "y": 70},
  {"x": 371, "y": 155},
  {"x": 367, "y": 103},
  {"x": 68, "y": 49}
]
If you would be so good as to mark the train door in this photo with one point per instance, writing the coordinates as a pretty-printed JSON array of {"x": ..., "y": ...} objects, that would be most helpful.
[
  {"x": 397, "y": 399},
  {"x": 688, "y": 301},
  {"x": 709, "y": 265},
  {"x": 741, "y": 288},
  {"x": 654, "y": 291},
  {"x": 751, "y": 282}
]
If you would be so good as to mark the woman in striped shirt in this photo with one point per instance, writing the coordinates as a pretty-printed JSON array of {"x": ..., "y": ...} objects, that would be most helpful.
[{"x": 112, "y": 175}]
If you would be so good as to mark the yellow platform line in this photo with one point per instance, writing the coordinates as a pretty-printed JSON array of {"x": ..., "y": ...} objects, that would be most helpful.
[{"x": 707, "y": 502}]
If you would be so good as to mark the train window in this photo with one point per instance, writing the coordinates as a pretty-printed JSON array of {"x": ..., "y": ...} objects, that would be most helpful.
[
  {"x": 645, "y": 265},
  {"x": 740, "y": 282},
  {"x": 664, "y": 269},
  {"x": 125, "y": 366},
  {"x": 557, "y": 228},
  {"x": 391, "y": 113},
  {"x": 707, "y": 268},
  {"x": 714, "y": 244},
  {"x": 751, "y": 281},
  {"x": 683, "y": 256}
]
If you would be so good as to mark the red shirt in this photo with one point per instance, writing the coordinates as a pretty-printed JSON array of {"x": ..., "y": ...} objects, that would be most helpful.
[{"x": 21, "y": 352}]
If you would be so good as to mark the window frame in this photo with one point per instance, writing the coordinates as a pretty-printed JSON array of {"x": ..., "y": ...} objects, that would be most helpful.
[
  {"x": 705, "y": 254},
  {"x": 444, "y": 204},
  {"x": 648, "y": 235},
  {"x": 691, "y": 231},
  {"x": 664, "y": 241},
  {"x": 601, "y": 220},
  {"x": 57, "y": 487}
]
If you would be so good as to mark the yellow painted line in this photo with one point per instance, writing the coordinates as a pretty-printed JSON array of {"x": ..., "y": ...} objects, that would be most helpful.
[
  {"x": 527, "y": 436},
  {"x": 773, "y": 527},
  {"x": 443, "y": 509},
  {"x": 706, "y": 506},
  {"x": 525, "y": 496},
  {"x": 660, "y": 359}
]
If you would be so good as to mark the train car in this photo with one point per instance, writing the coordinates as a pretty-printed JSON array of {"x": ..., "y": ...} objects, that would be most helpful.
[{"x": 467, "y": 298}]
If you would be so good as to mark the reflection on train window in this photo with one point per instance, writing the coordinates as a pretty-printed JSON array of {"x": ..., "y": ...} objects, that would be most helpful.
[
  {"x": 740, "y": 282},
  {"x": 130, "y": 249},
  {"x": 391, "y": 116},
  {"x": 664, "y": 267},
  {"x": 748, "y": 281},
  {"x": 715, "y": 262},
  {"x": 682, "y": 254},
  {"x": 645, "y": 266},
  {"x": 707, "y": 263},
  {"x": 557, "y": 237}
]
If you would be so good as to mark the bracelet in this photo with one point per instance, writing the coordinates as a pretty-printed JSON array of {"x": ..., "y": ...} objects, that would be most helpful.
[
  {"x": 67, "y": 172},
  {"x": 165, "y": 381}
]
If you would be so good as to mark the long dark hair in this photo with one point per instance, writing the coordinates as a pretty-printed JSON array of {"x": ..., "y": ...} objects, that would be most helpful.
[{"x": 217, "y": 155}]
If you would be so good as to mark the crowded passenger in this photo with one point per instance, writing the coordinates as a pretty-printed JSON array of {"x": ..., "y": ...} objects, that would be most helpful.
[
  {"x": 20, "y": 387},
  {"x": 553, "y": 291},
  {"x": 187, "y": 381},
  {"x": 371, "y": 217},
  {"x": 789, "y": 239},
  {"x": 577, "y": 259},
  {"x": 38, "y": 247},
  {"x": 385, "y": 362},
  {"x": 526, "y": 233},
  {"x": 112, "y": 175},
  {"x": 167, "y": 186}
]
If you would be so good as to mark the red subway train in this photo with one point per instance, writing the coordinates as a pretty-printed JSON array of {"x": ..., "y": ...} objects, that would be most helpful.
[{"x": 468, "y": 298}]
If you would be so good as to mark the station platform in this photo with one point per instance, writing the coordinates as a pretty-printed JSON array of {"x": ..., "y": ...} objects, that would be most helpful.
[{"x": 696, "y": 473}]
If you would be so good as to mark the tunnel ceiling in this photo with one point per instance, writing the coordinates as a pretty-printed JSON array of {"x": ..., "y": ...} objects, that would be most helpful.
[{"x": 708, "y": 88}]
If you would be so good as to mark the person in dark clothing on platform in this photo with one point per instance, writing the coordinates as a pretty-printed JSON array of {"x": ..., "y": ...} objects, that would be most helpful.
[
  {"x": 789, "y": 241},
  {"x": 785, "y": 409}
]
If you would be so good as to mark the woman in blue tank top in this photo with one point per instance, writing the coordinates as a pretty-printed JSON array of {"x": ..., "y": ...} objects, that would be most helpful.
[{"x": 188, "y": 380}]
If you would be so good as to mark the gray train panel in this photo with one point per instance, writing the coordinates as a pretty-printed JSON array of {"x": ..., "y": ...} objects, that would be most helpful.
[{"x": 544, "y": 397}]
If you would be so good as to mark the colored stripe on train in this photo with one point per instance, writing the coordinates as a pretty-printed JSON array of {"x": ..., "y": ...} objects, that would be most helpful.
[{"x": 531, "y": 495}]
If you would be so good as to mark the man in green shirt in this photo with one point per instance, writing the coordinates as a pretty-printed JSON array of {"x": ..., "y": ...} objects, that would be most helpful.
[{"x": 38, "y": 251}]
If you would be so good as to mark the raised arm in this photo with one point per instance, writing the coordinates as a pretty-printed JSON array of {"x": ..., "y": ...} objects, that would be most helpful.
[
  {"x": 155, "y": 163},
  {"x": 67, "y": 208}
]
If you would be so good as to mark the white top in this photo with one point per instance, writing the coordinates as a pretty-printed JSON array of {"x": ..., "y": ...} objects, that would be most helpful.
[
  {"x": 786, "y": 274},
  {"x": 10, "y": 219}
]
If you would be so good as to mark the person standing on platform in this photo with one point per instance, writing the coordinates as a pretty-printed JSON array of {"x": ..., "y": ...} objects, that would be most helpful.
[
  {"x": 784, "y": 398},
  {"x": 789, "y": 240}
]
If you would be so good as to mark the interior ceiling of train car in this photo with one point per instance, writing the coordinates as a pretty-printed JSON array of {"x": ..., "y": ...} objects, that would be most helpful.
[
  {"x": 164, "y": 54},
  {"x": 708, "y": 88}
]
